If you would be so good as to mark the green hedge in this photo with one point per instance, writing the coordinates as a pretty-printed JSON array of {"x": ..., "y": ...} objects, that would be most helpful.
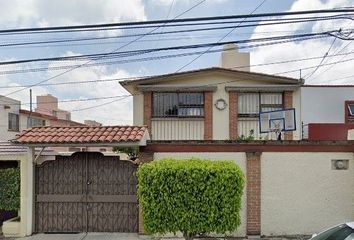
[
  {"x": 192, "y": 196},
  {"x": 10, "y": 189}
]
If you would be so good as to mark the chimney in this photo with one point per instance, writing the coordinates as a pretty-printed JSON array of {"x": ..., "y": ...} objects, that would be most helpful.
[{"x": 231, "y": 58}]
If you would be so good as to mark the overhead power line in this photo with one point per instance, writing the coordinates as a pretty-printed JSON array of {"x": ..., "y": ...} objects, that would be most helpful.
[
  {"x": 323, "y": 58},
  {"x": 109, "y": 25},
  {"x": 124, "y": 61},
  {"x": 84, "y": 39},
  {"x": 121, "y": 54},
  {"x": 115, "y": 50},
  {"x": 150, "y": 76},
  {"x": 221, "y": 39}
]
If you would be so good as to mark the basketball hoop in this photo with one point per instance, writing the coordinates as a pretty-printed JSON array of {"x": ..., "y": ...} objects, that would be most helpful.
[{"x": 277, "y": 121}]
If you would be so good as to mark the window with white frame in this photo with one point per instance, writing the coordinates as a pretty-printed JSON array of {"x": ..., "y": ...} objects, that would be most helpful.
[
  {"x": 249, "y": 107},
  {"x": 180, "y": 105},
  {"x": 13, "y": 122},
  {"x": 250, "y": 104}
]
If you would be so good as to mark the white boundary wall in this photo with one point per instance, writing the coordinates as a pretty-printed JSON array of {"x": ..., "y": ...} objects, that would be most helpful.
[{"x": 300, "y": 192}]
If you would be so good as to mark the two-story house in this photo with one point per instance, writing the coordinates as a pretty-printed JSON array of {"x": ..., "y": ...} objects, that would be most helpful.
[
  {"x": 13, "y": 119},
  {"x": 217, "y": 103},
  {"x": 198, "y": 114}
]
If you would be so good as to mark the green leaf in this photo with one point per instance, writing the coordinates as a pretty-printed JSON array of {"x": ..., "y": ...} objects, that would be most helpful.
[{"x": 192, "y": 196}]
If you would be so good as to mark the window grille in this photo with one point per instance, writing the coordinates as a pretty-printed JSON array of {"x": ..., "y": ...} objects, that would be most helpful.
[{"x": 180, "y": 105}]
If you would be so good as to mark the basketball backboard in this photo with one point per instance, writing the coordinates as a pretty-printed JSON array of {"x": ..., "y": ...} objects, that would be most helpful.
[{"x": 277, "y": 121}]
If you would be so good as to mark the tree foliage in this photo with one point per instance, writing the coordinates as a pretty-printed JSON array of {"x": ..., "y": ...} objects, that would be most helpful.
[
  {"x": 10, "y": 189},
  {"x": 192, "y": 196},
  {"x": 132, "y": 152}
]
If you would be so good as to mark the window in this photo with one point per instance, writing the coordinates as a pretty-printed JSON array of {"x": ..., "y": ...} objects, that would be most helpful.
[
  {"x": 178, "y": 105},
  {"x": 55, "y": 113},
  {"x": 14, "y": 122},
  {"x": 250, "y": 104},
  {"x": 35, "y": 122},
  {"x": 351, "y": 109}
]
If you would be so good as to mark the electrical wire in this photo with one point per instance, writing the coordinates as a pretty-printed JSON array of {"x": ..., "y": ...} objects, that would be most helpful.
[
  {"x": 115, "y": 50},
  {"x": 323, "y": 58},
  {"x": 12, "y": 44},
  {"x": 47, "y": 29},
  {"x": 221, "y": 39},
  {"x": 97, "y": 56}
]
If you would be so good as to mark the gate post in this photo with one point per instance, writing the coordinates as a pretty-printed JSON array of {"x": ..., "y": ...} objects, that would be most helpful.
[{"x": 29, "y": 190}]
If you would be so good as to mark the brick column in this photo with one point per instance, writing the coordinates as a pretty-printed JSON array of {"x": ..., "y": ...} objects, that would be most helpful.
[
  {"x": 233, "y": 110},
  {"x": 144, "y": 157},
  {"x": 253, "y": 180},
  {"x": 288, "y": 103},
  {"x": 147, "y": 110},
  {"x": 208, "y": 115}
]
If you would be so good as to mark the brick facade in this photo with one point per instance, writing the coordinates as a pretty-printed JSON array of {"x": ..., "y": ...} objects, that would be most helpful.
[
  {"x": 208, "y": 116},
  {"x": 233, "y": 108},
  {"x": 288, "y": 103},
  {"x": 253, "y": 180},
  {"x": 147, "y": 109}
]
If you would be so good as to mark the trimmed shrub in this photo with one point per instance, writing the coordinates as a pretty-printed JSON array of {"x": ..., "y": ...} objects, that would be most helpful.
[
  {"x": 10, "y": 189},
  {"x": 192, "y": 196}
]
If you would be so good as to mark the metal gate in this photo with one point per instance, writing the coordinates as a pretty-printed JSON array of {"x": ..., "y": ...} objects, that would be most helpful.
[{"x": 86, "y": 192}]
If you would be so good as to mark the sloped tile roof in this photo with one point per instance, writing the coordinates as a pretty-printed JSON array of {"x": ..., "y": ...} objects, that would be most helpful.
[
  {"x": 7, "y": 148},
  {"x": 81, "y": 135}
]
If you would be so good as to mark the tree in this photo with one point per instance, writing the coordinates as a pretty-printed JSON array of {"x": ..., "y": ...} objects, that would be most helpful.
[
  {"x": 132, "y": 152},
  {"x": 10, "y": 189},
  {"x": 191, "y": 196}
]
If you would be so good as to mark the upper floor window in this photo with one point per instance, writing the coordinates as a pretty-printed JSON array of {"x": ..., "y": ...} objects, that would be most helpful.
[
  {"x": 14, "y": 122},
  {"x": 351, "y": 109},
  {"x": 35, "y": 122},
  {"x": 178, "y": 105},
  {"x": 250, "y": 104}
]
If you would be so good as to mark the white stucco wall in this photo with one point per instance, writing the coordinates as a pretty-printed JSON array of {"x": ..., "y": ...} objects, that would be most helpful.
[
  {"x": 324, "y": 104},
  {"x": 12, "y": 106},
  {"x": 138, "y": 109},
  {"x": 301, "y": 194},
  {"x": 20, "y": 228},
  {"x": 239, "y": 158}
]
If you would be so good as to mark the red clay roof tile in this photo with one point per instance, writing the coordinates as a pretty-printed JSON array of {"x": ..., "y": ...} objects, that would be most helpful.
[{"x": 81, "y": 134}]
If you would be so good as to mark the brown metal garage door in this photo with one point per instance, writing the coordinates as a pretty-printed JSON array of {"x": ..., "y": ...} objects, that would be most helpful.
[{"x": 86, "y": 192}]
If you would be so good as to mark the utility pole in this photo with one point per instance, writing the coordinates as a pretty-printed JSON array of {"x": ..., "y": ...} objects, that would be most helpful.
[{"x": 30, "y": 113}]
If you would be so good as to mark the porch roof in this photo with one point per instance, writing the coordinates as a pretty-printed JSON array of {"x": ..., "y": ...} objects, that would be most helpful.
[{"x": 83, "y": 135}]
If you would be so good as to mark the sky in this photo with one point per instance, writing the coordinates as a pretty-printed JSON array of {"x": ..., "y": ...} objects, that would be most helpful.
[{"x": 118, "y": 111}]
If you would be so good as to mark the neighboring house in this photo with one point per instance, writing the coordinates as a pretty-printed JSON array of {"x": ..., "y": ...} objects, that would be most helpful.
[
  {"x": 92, "y": 123},
  {"x": 327, "y": 111},
  {"x": 217, "y": 103},
  {"x": 9, "y": 118},
  {"x": 13, "y": 119},
  {"x": 48, "y": 104}
]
